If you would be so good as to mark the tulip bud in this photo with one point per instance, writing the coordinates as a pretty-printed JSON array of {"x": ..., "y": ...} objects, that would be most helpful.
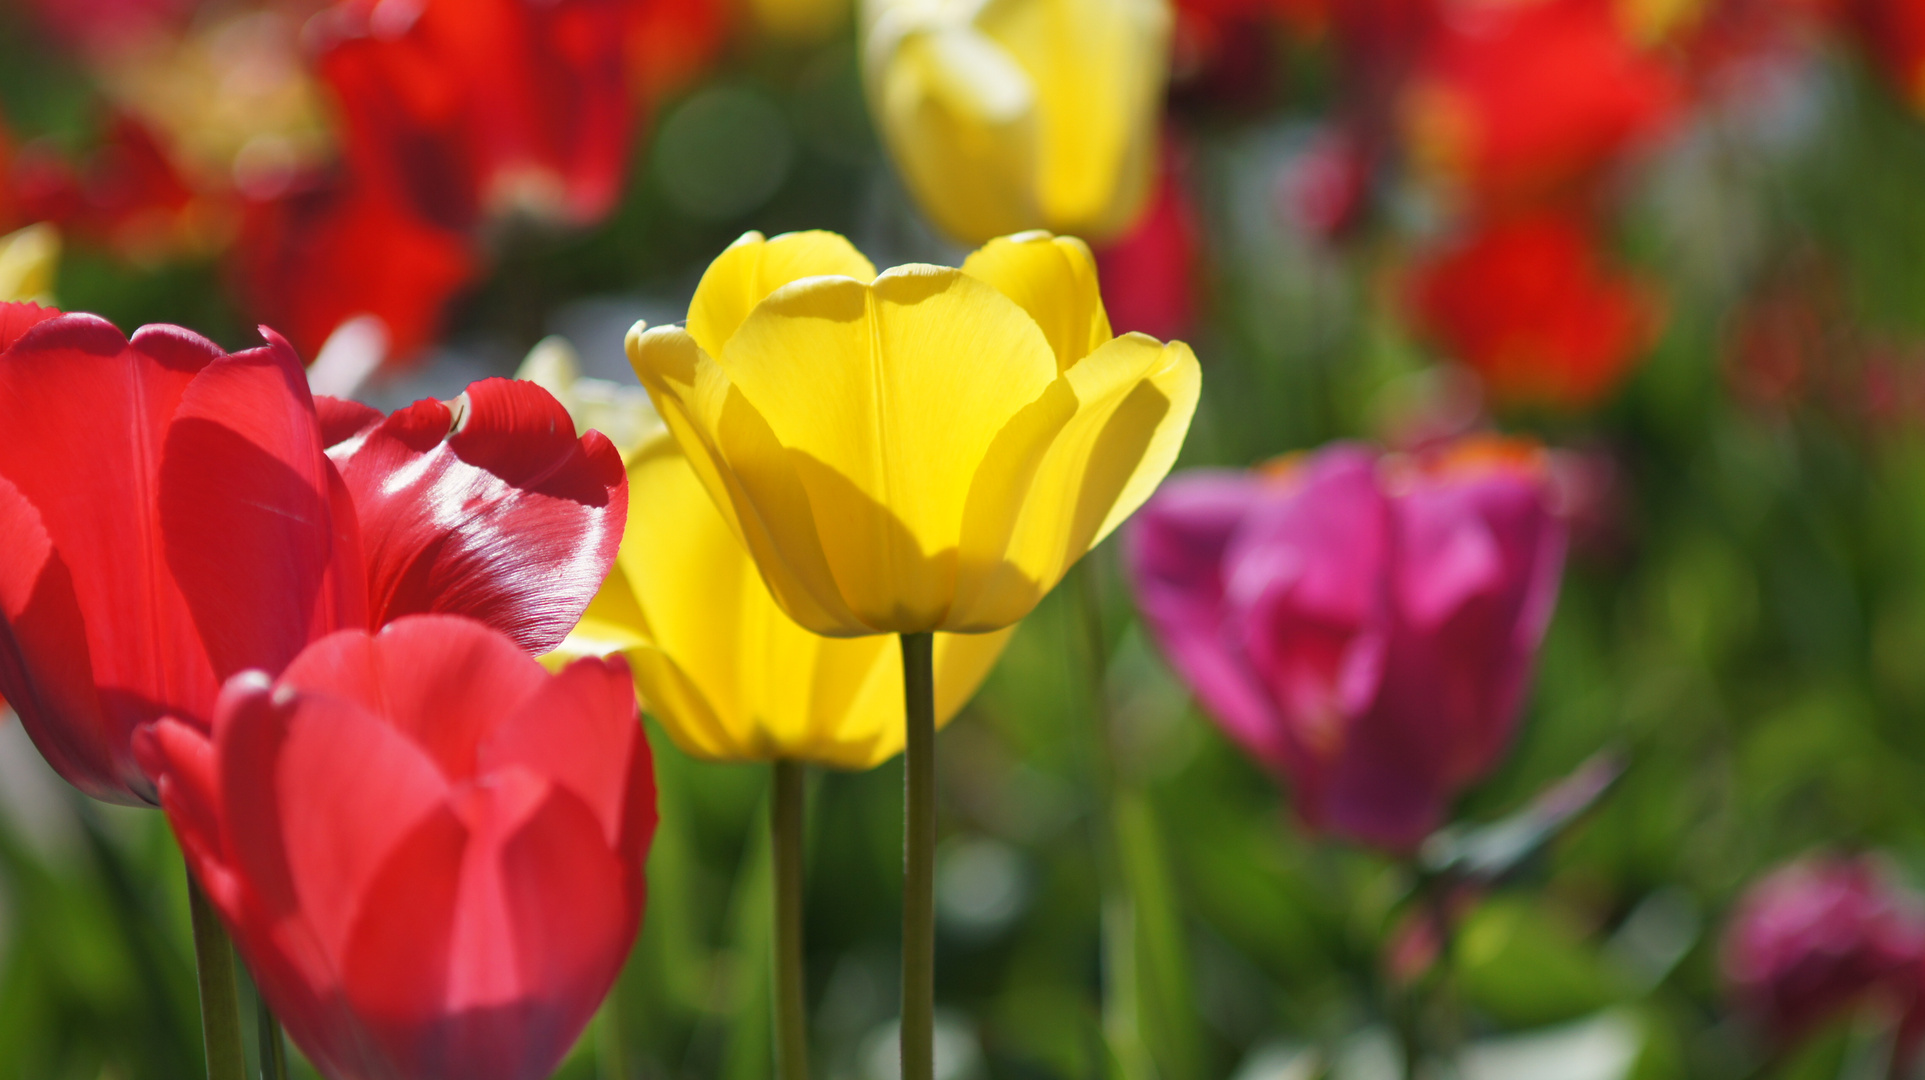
[
  {"x": 1820, "y": 936},
  {"x": 428, "y": 849},
  {"x": 1023, "y": 115},
  {"x": 1364, "y": 625}
]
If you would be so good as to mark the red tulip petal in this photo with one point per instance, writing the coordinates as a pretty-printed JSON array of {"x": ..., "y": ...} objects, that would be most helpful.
[
  {"x": 245, "y": 505},
  {"x": 350, "y": 790},
  {"x": 430, "y": 676},
  {"x": 543, "y": 925},
  {"x": 394, "y": 965},
  {"x": 508, "y": 518},
  {"x": 45, "y": 668},
  {"x": 181, "y": 759},
  {"x": 16, "y": 319},
  {"x": 343, "y": 420},
  {"x": 84, "y": 411},
  {"x": 594, "y": 754}
]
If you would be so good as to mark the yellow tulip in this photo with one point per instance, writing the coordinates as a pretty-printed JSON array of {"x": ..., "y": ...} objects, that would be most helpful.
[
  {"x": 729, "y": 676},
  {"x": 930, "y": 449},
  {"x": 1020, "y": 114},
  {"x": 27, "y": 261}
]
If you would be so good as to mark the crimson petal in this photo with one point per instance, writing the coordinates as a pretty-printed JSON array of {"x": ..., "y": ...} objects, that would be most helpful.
[
  {"x": 98, "y": 638},
  {"x": 497, "y": 512}
]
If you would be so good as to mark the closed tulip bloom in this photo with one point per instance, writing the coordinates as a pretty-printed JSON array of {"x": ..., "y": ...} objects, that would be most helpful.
[
  {"x": 1363, "y": 625},
  {"x": 729, "y": 675},
  {"x": 1820, "y": 936},
  {"x": 177, "y": 516},
  {"x": 429, "y": 850},
  {"x": 1021, "y": 115},
  {"x": 929, "y": 449}
]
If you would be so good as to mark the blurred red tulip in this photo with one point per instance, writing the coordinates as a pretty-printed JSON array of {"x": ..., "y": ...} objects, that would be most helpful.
[
  {"x": 104, "y": 28},
  {"x": 1364, "y": 625},
  {"x": 1527, "y": 304},
  {"x": 337, "y": 249},
  {"x": 1821, "y": 936},
  {"x": 1514, "y": 104},
  {"x": 467, "y": 108},
  {"x": 177, "y": 519},
  {"x": 1149, "y": 276},
  {"x": 429, "y": 850},
  {"x": 125, "y": 195},
  {"x": 1893, "y": 33}
]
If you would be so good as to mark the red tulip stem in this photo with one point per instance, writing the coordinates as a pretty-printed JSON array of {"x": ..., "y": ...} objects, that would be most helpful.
[
  {"x": 919, "y": 860},
  {"x": 220, "y": 996},
  {"x": 791, "y": 1001},
  {"x": 273, "y": 1045}
]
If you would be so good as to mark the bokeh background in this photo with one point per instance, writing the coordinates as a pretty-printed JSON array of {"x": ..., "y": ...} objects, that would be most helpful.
[{"x": 1735, "y": 322}]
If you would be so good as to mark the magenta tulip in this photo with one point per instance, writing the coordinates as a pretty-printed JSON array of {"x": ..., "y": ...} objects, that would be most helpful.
[
  {"x": 1820, "y": 936},
  {"x": 1364, "y": 625}
]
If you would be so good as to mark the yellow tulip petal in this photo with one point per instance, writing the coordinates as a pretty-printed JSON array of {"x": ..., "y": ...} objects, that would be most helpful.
[
  {"x": 886, "y": 398},
  {"x": 1099, "y": 68},
  {"x": 1135, "y": 397},
  {"x": 28, "y": 259},
  {"x": 958, "y": 114},
  {"x": 1054, "y": 279},
  {"x": 753, "y": 267},
  {"x": 727, "y": 674},
  {"x": 753, "y": 484}
]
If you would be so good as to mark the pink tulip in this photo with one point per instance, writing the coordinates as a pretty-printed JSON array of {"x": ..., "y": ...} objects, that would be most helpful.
[
  {"x": 1820, "y": 936},
  {"x": 1363, "y": 624}
]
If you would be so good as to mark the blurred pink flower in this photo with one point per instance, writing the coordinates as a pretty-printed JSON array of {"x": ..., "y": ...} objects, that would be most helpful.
[
  {"x": 1820, "y": 936},
  {"x": 1364, "y": 624}
]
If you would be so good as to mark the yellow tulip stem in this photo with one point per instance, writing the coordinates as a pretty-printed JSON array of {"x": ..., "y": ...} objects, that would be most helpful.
[
  {"x": 791, "y": 1002},
  {"x": 220, "y": 994},
  {"x": 919, "y": 860}
]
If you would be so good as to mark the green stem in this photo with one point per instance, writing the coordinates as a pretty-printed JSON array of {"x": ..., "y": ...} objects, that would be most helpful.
[
  {"x": 220, "y": 997},
  {"x": 273, "y": 1046},
  {"x": 919, "y": 860},
  {"x": 791, "y": 1002}
]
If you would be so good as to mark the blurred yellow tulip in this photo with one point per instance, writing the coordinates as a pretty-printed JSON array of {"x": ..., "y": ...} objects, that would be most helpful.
[
  {"x": 928, "y": 449},
  {"x": 800, "y": 21},
  {"x": 1004, "y": 115},
  {"x": 728, "y": 675},
  {"x": 28, "y": 259}
]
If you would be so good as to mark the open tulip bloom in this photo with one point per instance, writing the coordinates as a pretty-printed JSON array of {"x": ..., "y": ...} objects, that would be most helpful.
[
  {"x": 928, "y": 449},
  {"x": 1363, "y": 625}
]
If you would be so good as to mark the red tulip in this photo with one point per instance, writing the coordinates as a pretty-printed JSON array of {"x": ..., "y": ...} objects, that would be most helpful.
[
  {"x": 1820, "y": 936},
  {"x": 469, "y": 107},
  {"x": 1893, "y": 33},
  {"x": 1364, "y": 625},
  {"x": 175, "y": 520},
  {"x": 429, "y": 850},
  {"x": 1149, "y": 275},
  {"x": 1514, "y": 104},
  {"x": 1527, "y": 304},
  {"x": 337, "y": 249}
]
